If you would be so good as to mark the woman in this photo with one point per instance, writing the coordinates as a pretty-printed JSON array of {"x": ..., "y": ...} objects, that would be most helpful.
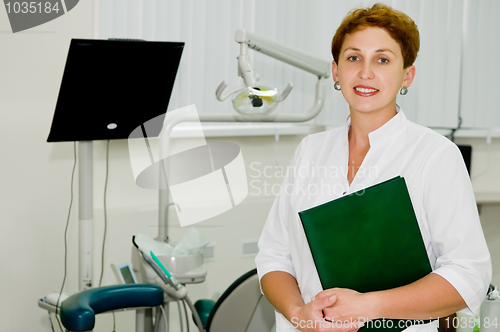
[{"x": 374, "y": 50}]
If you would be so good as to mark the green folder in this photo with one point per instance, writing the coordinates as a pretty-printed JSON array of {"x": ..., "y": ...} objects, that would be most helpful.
[{"x": 368, "y": 241}]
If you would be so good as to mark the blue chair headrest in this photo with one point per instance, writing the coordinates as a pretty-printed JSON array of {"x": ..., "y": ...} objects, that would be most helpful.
[{"x": 78, "y": 311}]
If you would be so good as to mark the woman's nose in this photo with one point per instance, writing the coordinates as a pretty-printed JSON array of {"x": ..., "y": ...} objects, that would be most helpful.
[{"x": 366, "y": 71}]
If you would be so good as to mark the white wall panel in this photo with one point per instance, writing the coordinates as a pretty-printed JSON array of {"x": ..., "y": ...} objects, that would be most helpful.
[
  {"x": 210, "y": 53},
  {"x": 481, "y": 72}
]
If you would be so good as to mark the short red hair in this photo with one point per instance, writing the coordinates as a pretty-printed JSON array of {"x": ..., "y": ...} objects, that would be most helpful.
[{"x": 399, "y": 26}]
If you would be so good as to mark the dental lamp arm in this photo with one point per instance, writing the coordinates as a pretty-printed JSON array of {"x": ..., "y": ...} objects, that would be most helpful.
[
  {"x": 285, "y": 92},
  {"x": 244, "y": 67},
  {"x": 294, "y": 57},
  {"x": 223, "y": 96}
]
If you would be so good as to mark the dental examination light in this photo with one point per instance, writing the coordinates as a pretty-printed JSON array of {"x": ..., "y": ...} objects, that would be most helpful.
[{"x": 257, "y": 100}]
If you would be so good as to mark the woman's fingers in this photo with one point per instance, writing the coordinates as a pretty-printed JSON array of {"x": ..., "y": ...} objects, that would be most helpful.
[
  {"x": 324, "y": 302},
  {"x": 326, "y": 293}
]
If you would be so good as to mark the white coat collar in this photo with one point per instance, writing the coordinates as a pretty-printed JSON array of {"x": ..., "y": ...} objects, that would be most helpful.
[{"x": 386, "y": 130}]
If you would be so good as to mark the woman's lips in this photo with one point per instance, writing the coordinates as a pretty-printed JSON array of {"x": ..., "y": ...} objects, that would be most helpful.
[{"x": 365, "y": 91}]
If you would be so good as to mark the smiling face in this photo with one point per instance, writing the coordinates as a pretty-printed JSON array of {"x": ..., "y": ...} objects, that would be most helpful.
[{"x": 370, "y": 71}]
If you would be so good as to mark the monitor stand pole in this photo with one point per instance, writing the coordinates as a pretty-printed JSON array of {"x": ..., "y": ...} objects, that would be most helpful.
[{"x": 85, "y": 215}]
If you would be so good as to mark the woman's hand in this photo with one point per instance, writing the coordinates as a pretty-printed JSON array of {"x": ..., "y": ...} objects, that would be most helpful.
[
  {"x": 282, "y": 291},
  {"x": 309, "y": 317},
  {"x": 349, "y": 305}
]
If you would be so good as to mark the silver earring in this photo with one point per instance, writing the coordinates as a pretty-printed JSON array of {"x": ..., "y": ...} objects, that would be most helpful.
[
  {"x": 403, "y": 91},
  {"x": 336, "y": 86}
]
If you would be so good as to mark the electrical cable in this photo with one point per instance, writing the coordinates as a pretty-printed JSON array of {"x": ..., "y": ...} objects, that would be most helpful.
[
  {"x": 50, "y": 320},
  {"x": 186, "y": 313},
  {"x": 157, "y": 320},
  {"x": 105, "y": 214},
  {"x": 180, "y": 315},
  {"x": 164, "y": 317},
  {"x": 485, "y": 170},
  {"x": 452, "y": 134},
  {"x": 66, "y": 237},
  {"x": 196, "y": 317},
  {"x": 106, "y": 223}
]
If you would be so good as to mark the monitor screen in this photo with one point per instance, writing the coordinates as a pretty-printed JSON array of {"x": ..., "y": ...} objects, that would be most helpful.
[
  {"x": 466, "y": 151},
  {"x": 127, "y": 274},
  {"x": 110, "y": 87}
]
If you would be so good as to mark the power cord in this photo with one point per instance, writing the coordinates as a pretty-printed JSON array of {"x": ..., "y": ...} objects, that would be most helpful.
[
  {"x": 485, "y": 170},
  {"x": 164, "y": 317},
  {"x": 50, "y": 321},
  {"x": 66, "y": 238},
  {"x": 66, "y": 232},
  {"x": 105, "y": 213},
  {"x": 452, "y": 134},
  {"x": 186, "y": 313},
  {"x": 180, "y": 314},
  {"x": 106, "y": 224}
]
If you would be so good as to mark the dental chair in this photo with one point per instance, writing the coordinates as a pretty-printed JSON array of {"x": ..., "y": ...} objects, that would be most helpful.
[
  {"x": 78, "y": 311},
  {"x": 241, "y": 307}
]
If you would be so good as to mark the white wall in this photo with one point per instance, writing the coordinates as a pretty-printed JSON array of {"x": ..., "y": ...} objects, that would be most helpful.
[
  {"x": 34, "y": 194},
  {"x": 35, "y": 187},
  {"x": 486, "y": 181}
]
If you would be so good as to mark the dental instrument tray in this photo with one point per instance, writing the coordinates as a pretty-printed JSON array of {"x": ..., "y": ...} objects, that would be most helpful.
[{"x": 187, "y": 269}]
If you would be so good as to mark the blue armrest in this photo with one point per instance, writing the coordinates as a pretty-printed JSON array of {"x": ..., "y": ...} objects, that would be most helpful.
[{"x": 78, "y": 311}]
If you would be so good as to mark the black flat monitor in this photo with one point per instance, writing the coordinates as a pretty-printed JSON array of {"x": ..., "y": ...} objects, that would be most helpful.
[
  {"x": 466, "y": 151},
  {"x": 110, "y": 87}
]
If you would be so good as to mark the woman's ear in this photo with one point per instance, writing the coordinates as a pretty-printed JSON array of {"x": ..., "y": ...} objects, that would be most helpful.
[
  {"x": 409, "y": 76},
  {"x": 335, "y": 71}
]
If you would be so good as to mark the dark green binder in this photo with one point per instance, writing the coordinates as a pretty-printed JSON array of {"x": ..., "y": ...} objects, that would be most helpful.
[{"x": 367, "y": 241}]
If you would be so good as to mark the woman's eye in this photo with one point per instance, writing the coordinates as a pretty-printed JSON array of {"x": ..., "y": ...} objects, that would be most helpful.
[
  {"x": 353, "y": 58},
  {"x": 383, "y": 60}
]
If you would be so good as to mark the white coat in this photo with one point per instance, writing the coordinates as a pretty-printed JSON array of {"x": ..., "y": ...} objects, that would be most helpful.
[{"x": 439, "y": 187}]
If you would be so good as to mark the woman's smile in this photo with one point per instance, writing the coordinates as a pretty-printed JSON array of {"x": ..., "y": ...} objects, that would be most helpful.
[{"x": 365, "y": 91}]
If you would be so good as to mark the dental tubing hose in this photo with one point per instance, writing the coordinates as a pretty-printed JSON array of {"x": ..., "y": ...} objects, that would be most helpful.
[{"x": 168, "y": 279}]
